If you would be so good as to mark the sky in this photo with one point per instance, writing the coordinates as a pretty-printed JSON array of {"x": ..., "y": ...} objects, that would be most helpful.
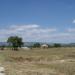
[{"x": 38, "y": 20}]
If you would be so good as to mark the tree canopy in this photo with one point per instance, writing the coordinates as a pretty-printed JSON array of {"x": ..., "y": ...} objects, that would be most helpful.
[
  {"x": 36, "y": 45},
  {"x": 57, "y": 45},
  {"x": 15, "y": 42}
]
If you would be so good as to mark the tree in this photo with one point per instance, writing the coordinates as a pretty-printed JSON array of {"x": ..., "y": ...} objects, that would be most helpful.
[
  {"x": 2, "y": 47},
  {"x": 15, "y": 42},
  {"x": 57, "y": 45},
  {"x": 36, "y": 45}
]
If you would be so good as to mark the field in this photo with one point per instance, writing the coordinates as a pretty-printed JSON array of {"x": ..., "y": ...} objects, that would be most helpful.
[{"x": 52, "y": 61}]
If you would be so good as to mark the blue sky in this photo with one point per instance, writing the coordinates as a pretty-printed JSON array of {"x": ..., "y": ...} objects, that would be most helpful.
[{"x": 38, "y": 20}]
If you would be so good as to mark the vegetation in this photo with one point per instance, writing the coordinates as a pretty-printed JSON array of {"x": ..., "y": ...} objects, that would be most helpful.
[
  {"x": 2, "y": 47},
  {"x": 52, "y": 61},
  {"x": 36, "y": 45},
  {"x": 49, "y": 61},
  {"x": 57, "y": 45},
  {"x": 15, "y": 42}
]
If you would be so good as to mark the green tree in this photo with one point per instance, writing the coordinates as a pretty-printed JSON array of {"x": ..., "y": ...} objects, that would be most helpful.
[
  {"x": 15, "y": 42},
  {"x": 36, "y": 45},
  {"x": 57, "y": 45}
]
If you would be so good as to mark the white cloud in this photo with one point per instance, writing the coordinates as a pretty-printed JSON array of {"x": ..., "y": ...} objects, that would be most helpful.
[
  {"x": 73, "y": 21},
  {"x": 37, "y": 33},
  {"x": 15, "y": 29},
  {"x": 71, "y": 30},
  {"x": 23, "y": 27},
  {"x": 32, "y": 32}
]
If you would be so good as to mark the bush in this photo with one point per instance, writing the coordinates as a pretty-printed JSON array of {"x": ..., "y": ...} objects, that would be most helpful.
[
  {"x": 2, "y": 47},
  {"x": 36, "y": 45},
  {"x": 57, "y": 45}
]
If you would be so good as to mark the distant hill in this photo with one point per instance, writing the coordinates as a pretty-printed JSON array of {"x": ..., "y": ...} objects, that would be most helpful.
[{"x": 4, "y": 44}]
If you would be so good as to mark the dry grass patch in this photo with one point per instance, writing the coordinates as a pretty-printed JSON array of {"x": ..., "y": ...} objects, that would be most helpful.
[{"x": 53, "y": 61}]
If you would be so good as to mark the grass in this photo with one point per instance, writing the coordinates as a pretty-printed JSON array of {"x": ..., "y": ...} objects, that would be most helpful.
[{"x": 52, "y": 61}]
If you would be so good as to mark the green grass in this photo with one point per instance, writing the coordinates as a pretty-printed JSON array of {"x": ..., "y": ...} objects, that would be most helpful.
[{"x": 52, "y": 61}]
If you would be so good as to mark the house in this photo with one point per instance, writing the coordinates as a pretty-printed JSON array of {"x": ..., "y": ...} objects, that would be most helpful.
[{"x": 44, "y": 46}]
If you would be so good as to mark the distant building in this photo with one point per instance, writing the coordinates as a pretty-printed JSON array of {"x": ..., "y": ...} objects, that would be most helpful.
[
  {"x": 25, "y": 48},
  {"x": 44, "y": 46}
]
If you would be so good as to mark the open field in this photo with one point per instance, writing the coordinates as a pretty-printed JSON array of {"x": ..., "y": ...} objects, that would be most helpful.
[{"x": 53, "y": 61}]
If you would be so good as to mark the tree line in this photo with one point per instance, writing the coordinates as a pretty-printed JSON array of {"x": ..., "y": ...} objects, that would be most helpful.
[{"x": 16, "y": 42}]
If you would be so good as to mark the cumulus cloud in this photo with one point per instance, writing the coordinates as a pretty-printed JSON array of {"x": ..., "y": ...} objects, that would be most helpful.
[{"x": 33, "y": 31}]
